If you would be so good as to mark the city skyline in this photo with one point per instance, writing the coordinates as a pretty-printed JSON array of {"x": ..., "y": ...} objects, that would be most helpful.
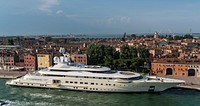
[{"x": 32, "y": 17}]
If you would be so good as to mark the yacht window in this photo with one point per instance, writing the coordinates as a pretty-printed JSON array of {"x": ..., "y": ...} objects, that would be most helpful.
[
  {"x": 96, "y": 83},
  {"x": 101, "y": 83},
  {"x": 133, "y": 78},
  {"x": 86, "y": 82},
  {"x": 104, "y": 77},
  {"x": 75, "y": 82},
  {"x": 56, "y": 81},
  {"x": 92, "y": 83},
  {"x": 81, "y": 82},
  {"x": 71, "y": 81},
  {"x": 113, "y": 84},
  {"x": 56, "y": 75},
  {"x": 66, "y": 81}
]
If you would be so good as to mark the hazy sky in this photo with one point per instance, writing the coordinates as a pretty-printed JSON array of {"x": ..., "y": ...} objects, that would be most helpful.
[{"x": 24, "y": 17}]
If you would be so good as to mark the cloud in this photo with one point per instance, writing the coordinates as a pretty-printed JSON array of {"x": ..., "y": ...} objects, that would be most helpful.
[
  {"x": 118, "y": 20},
  {"x": 125, "y": 19},
  {"x": 59, "y": 12},
  {"x": 47, "y": 5},
  {"x": 109, "y": 21}
]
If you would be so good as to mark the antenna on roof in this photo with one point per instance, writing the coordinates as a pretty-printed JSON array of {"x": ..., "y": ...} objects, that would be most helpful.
[{"x": 190, "y": 31}]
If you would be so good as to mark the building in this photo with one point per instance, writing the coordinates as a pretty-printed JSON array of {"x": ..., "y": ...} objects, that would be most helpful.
[
  {"x": 7, "y": 60},
  {"x": 156, "y": 52},
  {"x": 156, "y": 35},
  {"x": 44, "y": 60},
  {"x": 30, "y": 62},
  {"x": 79, "y": 58},
  {"x": 175, "y": 67}
]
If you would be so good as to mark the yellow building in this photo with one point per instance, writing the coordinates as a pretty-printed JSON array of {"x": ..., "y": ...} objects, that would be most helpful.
[{"x": 44, "y": 61}]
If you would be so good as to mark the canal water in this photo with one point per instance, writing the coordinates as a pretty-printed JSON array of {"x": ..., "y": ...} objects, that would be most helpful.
[{"x": 16, "y": 96}]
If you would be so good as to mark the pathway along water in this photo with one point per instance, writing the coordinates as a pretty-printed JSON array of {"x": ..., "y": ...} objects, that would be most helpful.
[{"x": 16, "y": 96}]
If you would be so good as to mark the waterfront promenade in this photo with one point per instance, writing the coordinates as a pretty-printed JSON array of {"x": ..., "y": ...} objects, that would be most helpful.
[{"x": 11, "y": 74}]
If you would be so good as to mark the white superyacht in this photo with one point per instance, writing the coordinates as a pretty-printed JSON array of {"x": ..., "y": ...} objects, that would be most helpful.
[{"x": 71, "y": 76}]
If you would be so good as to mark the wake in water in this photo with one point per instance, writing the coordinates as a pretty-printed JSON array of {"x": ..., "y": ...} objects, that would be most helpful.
[{"x": 24, "y": 103}]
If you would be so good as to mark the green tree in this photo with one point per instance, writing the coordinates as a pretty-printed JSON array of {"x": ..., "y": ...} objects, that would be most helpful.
[
  {"x": 97, "y": 52},
  {"x": 10, "y": 42},
  {"x": 143, "y": 53},
  {"x": 116, "y": 55},
  {"x": 130, "y": 58},
  {"x": 125, "y": 52},
  {"x": 188, "y": 36}
]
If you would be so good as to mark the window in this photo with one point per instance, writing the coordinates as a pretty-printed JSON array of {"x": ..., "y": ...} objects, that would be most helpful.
[
  {"x": 75, "y": 82},
  {"x": 81, "y": 82},
  {"x": 96, "y": 83},
  {"x": 56, "y": 81},
  {"x": 92, "y": 83},
  {"x": 71, "y": 81},
  {"x": 86, "y": 82}
]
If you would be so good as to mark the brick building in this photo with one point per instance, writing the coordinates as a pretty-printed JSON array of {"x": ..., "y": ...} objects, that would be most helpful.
[
  {"x": 175, "y": 67},
  {"x": 79, "y": 58},
  {"x": 30, "y": 62},
  {"x": 8, "y": 59}
]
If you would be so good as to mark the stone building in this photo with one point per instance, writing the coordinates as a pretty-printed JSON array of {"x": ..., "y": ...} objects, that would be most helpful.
[{"x": 175, "y": 67}]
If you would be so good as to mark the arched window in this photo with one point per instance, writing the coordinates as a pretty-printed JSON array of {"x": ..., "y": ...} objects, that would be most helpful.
[
  {"x": 169, "y": 71},
  {"x": 191, "y": 72}
]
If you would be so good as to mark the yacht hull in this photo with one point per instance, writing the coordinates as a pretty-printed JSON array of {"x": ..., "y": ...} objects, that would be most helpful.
[{"x": 95, "y": 85}]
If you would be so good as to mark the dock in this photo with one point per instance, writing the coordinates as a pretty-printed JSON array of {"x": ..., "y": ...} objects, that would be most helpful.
[{"x": 5, "y": 74}]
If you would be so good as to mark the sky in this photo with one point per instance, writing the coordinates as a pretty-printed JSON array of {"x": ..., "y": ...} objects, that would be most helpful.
[{"x": 32, "y": 17}]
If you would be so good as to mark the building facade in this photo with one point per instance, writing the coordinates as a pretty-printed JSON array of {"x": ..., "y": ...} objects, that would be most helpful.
[
  {"x": 44, "y": 60},
  {"x": 7, "y": 59},
  {"x": 30, "y": 62},
  {"x": 79, "y": 58},
  {"x": 176, "y": 68}
]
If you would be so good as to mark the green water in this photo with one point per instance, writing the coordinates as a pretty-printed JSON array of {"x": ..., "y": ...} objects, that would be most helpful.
[{"x": 16, "y": 96}]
